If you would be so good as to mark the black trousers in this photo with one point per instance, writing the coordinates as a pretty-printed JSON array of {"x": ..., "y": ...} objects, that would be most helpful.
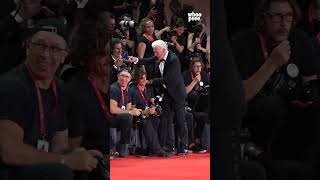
[
  {"x": 265, "y": 117},
  {"x": 190, "y": 126},
  {"x": 150, "y": 131},
  {"x": 291, "y": 132},
  {"x": 171, "y": 111},
  {"x": 123, "y": 122},
  {"x": 250, "y": 170},
  {"x": 43, "y": 171},
  {"x": 288, "y": 170},
  {"x": 200, "y": 119}
]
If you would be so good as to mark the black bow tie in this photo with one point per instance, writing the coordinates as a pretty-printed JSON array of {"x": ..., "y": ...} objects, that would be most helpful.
[{"x": 162, "y": 60}]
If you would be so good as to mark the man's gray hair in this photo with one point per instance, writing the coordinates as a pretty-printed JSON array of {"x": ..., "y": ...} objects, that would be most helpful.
[{"x": 160, "y": 43}]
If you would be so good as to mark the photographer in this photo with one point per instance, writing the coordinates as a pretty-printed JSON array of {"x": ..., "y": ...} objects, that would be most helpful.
[
  {"x": 179, "y": 39},
  {"x": 154, "y": 10},
  {"x": 274, "y": 61},
  {"x": 143, "y": 98},
  {"x": 128, "y": 33},
  {"x": 197, "y": 41},
  {"x": 197, "y": 86},
  {"x": 122, "y": 110},
  {"x": 118, "y": 61}
]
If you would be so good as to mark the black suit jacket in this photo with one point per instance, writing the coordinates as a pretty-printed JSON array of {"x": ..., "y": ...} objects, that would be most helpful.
[{"x": 172, "y": 77}]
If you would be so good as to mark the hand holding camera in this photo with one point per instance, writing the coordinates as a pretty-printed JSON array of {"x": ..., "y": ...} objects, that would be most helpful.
[
  {"x": 119, "y": 62},
  {"x": 167, "y": 29},
  {"x": 81, "y": 159},
  {"x": 135, "y": 112},
  {"x": 280, "y": 54},
  {"x": 152, "y": 110},
  {"x": 132, "y": 59}
]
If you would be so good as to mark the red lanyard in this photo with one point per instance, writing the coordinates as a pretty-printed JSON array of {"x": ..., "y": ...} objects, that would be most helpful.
[
  {"x": 42, "y": 127},
  {"x": 122, "y": 96},
  {"x": 100, "y": 98},
  {"x": 263, "y": 46},
  {"x": 143, "y": 97}
]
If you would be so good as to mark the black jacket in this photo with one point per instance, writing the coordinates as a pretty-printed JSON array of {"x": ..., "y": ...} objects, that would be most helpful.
[{"x": 172, "y": 77}]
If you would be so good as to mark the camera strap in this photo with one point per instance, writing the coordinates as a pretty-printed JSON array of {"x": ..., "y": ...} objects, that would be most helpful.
[
  {"x": 263, "y": 46},
  {"x": 122, "y": 97},
  {"x": 42, "y": 127},
  {"x": 100, "y": 98},
  {"x": 192, "y": 76},
  {"x": 142, "y": 95}
]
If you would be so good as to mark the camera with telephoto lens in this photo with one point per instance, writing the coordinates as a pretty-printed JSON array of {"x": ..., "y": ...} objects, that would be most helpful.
[
  {"x": 285, "y": 81},
  {"x": 157, "y": 105},
  {"x": 201, "y": 88},
  {"x": 130, "y": 24},
  {"x": 158, "y": 109}
]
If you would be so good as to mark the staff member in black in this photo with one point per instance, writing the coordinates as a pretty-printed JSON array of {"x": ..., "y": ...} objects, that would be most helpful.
[{"x": 174, "y": 93}]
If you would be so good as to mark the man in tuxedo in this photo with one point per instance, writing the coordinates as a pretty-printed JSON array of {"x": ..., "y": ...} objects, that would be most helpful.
[{"x": 173, "y": 103}]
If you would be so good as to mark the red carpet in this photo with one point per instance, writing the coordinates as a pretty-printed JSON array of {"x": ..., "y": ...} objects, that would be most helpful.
[{"x": 190, "y": 167}]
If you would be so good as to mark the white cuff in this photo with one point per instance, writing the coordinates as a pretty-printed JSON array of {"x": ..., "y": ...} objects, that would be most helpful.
[{"x": 136, "y": 61}]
